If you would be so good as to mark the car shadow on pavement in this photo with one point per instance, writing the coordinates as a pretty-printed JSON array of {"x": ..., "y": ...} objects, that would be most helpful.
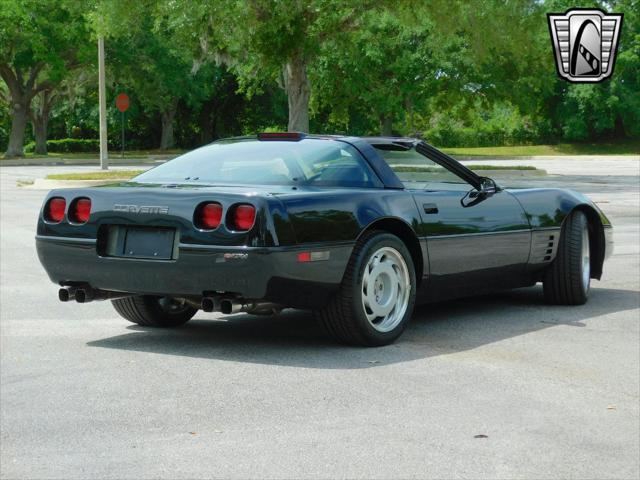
[{"x": 294, "y": 338}]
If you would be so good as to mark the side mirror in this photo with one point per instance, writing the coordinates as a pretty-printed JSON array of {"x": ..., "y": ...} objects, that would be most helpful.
[{"x": 489, "y": 186}]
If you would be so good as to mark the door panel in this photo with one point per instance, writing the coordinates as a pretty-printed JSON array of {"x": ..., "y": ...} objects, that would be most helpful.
[{"x": 475, "y": 242}]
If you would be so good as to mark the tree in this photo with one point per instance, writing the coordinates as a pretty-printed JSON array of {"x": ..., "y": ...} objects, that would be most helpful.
[
  {"x": 145, "y": 58},
  {"x": 610, "y": 108},
  {"x": 264, "y": 41},
  {"x": 40, "y": 42},
  {"x": 288, "y": 36},
  {"x": 39, "y": 115},
  {"x": 386, "y": 69},
  {"x": 43, "y": 103}
]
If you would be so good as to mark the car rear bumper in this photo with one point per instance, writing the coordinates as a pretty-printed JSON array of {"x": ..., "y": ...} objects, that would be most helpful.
[{"x": 271, "y": 273}]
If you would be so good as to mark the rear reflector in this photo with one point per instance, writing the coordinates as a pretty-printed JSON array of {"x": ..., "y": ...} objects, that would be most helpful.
[
  {"x": 290, "y": 136},
  {"x": 243, "y": 217},
  {"x": 80, "y": 210},
  {"x": 304, "y": 257},
  {"x": 54, "y": 212},
  {"x": 208, "y": 216}
]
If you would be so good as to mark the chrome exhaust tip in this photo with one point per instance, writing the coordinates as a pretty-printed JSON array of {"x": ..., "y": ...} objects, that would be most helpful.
[
  {"x": 82, "y": 296},
  {"x": 66, "y": 294},
  {"x": 229, "y": 306},
  {"x": 209, "y": 304}
]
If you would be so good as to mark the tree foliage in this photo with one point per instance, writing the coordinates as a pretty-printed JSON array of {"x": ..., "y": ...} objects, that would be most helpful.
[
  {"x": 40, "y": 44},
  {"x": 455, "y": 72}
]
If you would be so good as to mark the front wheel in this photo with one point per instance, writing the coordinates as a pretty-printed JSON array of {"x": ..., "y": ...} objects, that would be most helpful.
[
  {"x": 377, "y": 294},
  {"x": 152, "y": 311},
  {"x": 568, "y": 278}
]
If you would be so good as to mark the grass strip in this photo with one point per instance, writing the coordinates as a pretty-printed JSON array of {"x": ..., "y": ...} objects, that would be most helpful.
[
  {"x": 108, "y": 175},
  {"x": 419, "y": 169}
]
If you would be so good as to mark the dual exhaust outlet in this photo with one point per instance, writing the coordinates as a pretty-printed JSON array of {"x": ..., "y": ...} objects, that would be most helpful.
[
  {"x": 233, "y": 305},
  {"x": 87, "y": 294},
  {"x": 208, "y": 304}
]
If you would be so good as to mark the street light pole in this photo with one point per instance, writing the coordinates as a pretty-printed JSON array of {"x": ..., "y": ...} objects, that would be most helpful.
[{"x": 102, "y": 97}]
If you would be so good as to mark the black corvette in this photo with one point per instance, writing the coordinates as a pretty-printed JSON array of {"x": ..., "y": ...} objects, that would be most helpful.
[{"x": 356, "y": 229}]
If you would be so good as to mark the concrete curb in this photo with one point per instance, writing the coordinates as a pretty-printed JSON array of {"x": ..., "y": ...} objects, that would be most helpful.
[
  {"x": 156, "y": 159},
  {"x": 484, "y": 158},
  {"x": 511, "y": 173}
]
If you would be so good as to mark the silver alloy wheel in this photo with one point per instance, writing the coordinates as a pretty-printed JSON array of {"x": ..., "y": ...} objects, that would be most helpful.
[
  {"x": 386, "y": 287},
  {"x": 586, "y": 259}
]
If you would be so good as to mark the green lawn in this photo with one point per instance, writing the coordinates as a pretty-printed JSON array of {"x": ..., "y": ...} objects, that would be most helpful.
[
  {"x": 112, "y": 154},
  {"x": 619, "y": 148},
  {"x": 107, "y": 175},
  {"x": 626, "y": 148},
  {"x": 127, "y": 174}
]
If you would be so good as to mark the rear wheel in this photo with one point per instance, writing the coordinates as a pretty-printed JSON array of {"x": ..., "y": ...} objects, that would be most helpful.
[
  {"x": 567, "y": 280},
  {"x": 152, "y": 311},
  {"x": 376, "y": 298}
]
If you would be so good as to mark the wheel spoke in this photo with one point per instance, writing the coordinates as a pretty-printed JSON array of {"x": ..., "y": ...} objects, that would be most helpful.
[{"x": 385, "y": 284}]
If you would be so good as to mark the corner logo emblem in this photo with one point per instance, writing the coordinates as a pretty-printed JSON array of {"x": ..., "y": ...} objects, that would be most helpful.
[{"x": 585, "y": 43}]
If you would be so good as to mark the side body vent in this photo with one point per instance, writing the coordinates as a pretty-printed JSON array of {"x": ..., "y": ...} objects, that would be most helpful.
[{"x": 544, "y": 244}]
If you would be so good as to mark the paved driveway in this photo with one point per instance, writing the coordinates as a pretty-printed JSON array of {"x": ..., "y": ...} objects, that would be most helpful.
[{"x": 500, "y": 386}]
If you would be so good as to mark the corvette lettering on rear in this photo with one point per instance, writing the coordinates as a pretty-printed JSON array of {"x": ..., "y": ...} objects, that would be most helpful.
[{"x": 140, "y": 208}]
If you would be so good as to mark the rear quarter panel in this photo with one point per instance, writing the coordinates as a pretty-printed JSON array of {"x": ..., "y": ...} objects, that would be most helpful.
[{"x": 341, "y": 215}]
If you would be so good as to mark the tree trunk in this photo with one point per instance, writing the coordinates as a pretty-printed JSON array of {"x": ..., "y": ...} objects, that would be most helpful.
[
  {"x": 18, "y": 126},
  {"x": 167, "y": 116},
  {"x": 40, "y": 127},
  {"x": 40, "y": 120},
  {"x": 298, "y": 89},
  {"x": 207, "y": 124},
  {"x": 408, "y": 106},
  {"x": 386, "y": 124},
  {"x": 20, "y": 94}
]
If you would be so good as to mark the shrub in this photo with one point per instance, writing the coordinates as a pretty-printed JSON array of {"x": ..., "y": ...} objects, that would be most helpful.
[{"x": 68, "y": 145}]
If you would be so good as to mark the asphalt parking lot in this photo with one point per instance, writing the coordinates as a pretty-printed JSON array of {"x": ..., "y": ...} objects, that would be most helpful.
[{"x": 500, "y": 386}]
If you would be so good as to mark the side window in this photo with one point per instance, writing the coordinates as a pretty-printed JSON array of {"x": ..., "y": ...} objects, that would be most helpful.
[
  {"x": 271, "y": 171},
  {"x": 417, "y": 172},
  {"x": 338, "y": 167}
]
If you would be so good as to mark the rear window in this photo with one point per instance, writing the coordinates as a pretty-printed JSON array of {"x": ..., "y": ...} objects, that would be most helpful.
[{"x": 313, "y": 162}]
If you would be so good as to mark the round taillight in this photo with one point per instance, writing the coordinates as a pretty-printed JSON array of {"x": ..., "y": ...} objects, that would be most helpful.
[
  {"x": 80, "y": 210},
  {"x": 208, "y": 216},
  {"x": 54, "y": 212},
  {"x": 243, "y": 217}
]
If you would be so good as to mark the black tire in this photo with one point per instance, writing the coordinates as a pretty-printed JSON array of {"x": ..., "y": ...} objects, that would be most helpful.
[
  {"x": 151, "y": 311},
  {"x": 564, "y": 283},
  {"x": 344, "y": 318}
]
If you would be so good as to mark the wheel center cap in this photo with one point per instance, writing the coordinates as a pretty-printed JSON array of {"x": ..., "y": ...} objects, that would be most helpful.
[{"x": 378, "y": 289}]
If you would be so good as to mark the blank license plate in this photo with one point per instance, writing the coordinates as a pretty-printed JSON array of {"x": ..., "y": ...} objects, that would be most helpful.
[{"x": 155, "y": 243}]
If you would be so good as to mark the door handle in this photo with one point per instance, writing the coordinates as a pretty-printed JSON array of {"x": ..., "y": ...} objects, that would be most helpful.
[{"x": 430, "y": 208}]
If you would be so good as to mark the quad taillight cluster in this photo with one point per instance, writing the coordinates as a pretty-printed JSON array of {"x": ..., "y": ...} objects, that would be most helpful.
[
  {"x": 79, "y": 210},
  {"x": 207, "y": 216},
  {"x": 240, "y": 217}
]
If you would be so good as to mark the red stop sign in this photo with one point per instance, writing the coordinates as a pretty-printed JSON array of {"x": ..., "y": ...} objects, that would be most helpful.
[{"x": 122, "y": 102}]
